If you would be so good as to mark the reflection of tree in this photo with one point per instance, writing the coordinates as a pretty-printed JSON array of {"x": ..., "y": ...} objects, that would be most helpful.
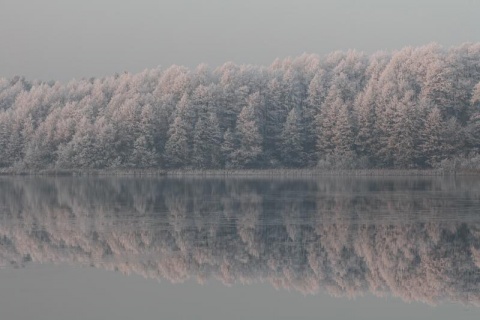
[{"x": 417, "y": 239}]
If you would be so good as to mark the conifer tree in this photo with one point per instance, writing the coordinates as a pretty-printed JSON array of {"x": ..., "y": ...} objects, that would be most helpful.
[
  {"x": 433, "y": 136},
  {"x": 250, "y": 148},
  {"x": 207, "y": 140},
  {"x": 228, "y": 149},
  {"x": 177, "y": 152},
  {"x": 292, "y": 150}
]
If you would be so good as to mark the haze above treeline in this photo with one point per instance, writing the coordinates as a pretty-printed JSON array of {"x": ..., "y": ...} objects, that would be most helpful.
[{"x": 411, "y": 108}]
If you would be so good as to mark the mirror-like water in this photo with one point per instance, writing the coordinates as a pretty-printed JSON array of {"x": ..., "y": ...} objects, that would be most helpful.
[{"x": 417, "y": 239}]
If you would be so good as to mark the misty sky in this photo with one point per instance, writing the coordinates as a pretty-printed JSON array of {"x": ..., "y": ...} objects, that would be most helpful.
[{"x": 64, "y": 39}]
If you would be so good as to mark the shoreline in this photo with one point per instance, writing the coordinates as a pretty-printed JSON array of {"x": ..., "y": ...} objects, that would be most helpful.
[{"x": 243, "y": 172}]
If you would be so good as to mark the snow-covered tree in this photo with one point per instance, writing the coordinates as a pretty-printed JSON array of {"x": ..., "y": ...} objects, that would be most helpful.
[
  {"x": 350, "y": 109},
  {"x": 292, "y": 149},
  {"x": 207, "y": 142},
  {"x": 142, "y": 156},
  {"x": 366, "y": 140},
  {"x": 250, "y": 139},
  {"x": 404, "y": 142},
  {"x": 177, "y": 151},
  {"x": 434, "y": 138},
  {"x": 228, "y": 148}
]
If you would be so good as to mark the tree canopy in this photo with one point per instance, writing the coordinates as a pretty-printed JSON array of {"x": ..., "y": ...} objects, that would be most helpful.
[{"x": 412, "y": 108}]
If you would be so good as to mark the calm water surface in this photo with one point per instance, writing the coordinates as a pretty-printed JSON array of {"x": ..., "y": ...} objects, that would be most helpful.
[{"x": 239, "y": 248}]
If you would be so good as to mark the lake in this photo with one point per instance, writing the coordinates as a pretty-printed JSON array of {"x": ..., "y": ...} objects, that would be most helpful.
[{"x": 239, "y": 248}]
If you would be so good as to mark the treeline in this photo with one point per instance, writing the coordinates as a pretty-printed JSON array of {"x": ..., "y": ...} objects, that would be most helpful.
[
  {"x": 418, "y": 239},
  {"x": 412, "y": 108}
]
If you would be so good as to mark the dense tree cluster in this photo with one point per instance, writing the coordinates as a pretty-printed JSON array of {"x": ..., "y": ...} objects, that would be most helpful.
[
  {"x": 418, "y": 239},
  {"x": 412, "y": 108}
]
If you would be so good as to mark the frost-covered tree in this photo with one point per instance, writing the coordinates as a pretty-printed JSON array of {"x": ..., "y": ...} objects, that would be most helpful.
[
  {"x": 381, "y": 103},
  {"x": 317, "y": 90},
  {"x": 476, "y": 97},
  {"x": 404, "y": 141},
  {"x": 142, "y": 156},
  {"x": 292, "y": 149},
  {"x": 326, "y": 123},
  {"x": 275, "y": 115},
  {"x": 177, "y": 151},
  {"x": 366, "y": 140},
  {"x": 344, "y": 138},
  {"x": 434, "y": 138},
  {"x": 250, "y": 139},
  {"x": 207, "y": 142},
  {"x": 228, "y": 148}
]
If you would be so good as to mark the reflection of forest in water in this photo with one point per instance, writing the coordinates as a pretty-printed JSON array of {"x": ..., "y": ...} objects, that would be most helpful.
[{"x": 415, "y": 238}]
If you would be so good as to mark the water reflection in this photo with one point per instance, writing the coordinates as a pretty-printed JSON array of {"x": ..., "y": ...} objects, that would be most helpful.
[{"x": 418, "y": 239}]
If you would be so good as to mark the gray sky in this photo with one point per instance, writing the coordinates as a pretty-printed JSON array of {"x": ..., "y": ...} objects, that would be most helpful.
[{"x": 63, "y": 39}]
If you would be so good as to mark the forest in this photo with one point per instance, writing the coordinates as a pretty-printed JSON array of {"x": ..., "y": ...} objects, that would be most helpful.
[{"x": 418, "y": 107}]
